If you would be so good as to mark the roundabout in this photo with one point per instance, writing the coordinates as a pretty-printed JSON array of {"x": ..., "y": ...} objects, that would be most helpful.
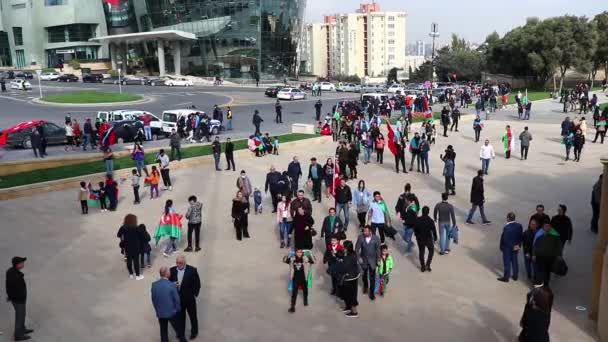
[{"x": 91, "y": 98}]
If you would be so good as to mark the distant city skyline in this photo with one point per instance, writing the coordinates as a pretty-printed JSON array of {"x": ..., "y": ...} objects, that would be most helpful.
[{"x": 473, "y": 20}]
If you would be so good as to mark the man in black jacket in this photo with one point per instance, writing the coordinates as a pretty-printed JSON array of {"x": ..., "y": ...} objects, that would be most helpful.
[
  {"x": 426, "y": 236},
  {"x": 477, "y": 199},
  {"x": 188, "y": 285},
  {"x": 562, "y": 224},
  {"x": 407, "y": 210},
  {"x": 16, "y": 293},
  {"x": 229, "y": 152},
  {"x": 279, "y": 111},
  {"x": 315, "y": 174},
  {"x": 318, "y": 106},
  {"x": 257, "y": 120},
  {"x": 343, "y": 198},
  {"x": 295, "y": 172},
  {"x": 272, "y": 184},
  {"x": 455, "y": 118}
]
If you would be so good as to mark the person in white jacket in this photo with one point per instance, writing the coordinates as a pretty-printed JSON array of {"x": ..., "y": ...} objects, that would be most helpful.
[{"x": 485, "y": 154}]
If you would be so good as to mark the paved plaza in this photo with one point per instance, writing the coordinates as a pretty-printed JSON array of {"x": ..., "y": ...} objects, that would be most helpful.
[{"x": 79, "y": 289}]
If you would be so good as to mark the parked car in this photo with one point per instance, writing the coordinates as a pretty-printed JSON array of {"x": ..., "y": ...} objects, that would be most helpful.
[
  {"x": 49, "y": 76},
  {"x": 136, "y": 80},
  {"x": 126, "y": 130},
  {"x": 68, "y": 78},
  {"x": 157, "y": 81},
  {"x": 291, "y": 94},
  {"x": 273, "y": 91},
  {"x": 20, "y": 84},
  {"x": 178, "y": 82},
  {"x": 110, "y": 80},
  {"x": 349, "y": 87},
  {"x": 19, "y": 135},
  {"x": 306, "y": 86},
  {"x": 171, "y": 117},
  {"x": 374, "y": 96},
  {"x": 92, "y": 78},
  {"x": 24, "y": 74},
  {"x": 395, "y": 89},
  {"x": 327, "y": 86}
]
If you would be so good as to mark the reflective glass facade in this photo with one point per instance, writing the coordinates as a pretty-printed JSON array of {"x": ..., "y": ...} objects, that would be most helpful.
[{"x": 236, "y": 38}]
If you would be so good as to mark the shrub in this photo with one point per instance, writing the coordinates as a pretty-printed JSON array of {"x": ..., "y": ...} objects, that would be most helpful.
[
  {"x": 74, "y": 64},
  {"x": 113, "y": 73}
]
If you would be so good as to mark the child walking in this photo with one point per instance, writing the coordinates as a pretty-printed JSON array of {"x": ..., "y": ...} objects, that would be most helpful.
[
  {"x": 275, "y": 146},
  {"x": 170, "y": 226},
  {"x": 102, "y": 196},
  {"x": 257, "y": 200},
  {"x": 135, "y": 179},
  {"x": 153, "y": 179},
  {"x": 83, "y": 197},
  {"x": 385, "y": 266}
]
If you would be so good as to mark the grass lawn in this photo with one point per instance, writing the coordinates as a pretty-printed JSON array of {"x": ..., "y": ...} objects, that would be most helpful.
[
  {"x": 89, "y": 168},
  {"x": 416, "y": 118},
  {"x": 533, "y": 95},
  {"x": 603, "y": 106},
  {"x": 91, "y": 97}
]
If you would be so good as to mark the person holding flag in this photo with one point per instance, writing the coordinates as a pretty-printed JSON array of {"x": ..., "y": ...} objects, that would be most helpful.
[
  {"x": 170, "y": 226},
  {"x": 508, "y": 141},
  {"x": 397, "y": 148}
]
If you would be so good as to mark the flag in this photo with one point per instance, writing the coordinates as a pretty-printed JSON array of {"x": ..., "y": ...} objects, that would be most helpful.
[
  {"x": 113, "y": 3},
  {"x": 391, "y": 138},
  {"x": 108, "y": 137},
  {"x": 170, "y": 225}
]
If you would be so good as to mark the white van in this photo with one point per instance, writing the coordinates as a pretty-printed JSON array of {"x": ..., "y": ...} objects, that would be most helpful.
[{"x": 171, "y": 117}]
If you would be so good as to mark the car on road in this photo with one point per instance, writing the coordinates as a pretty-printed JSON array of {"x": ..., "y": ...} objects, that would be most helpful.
[
  {"x": 157, "y": 81},
  {"x": 183, "y": 82},
  {"x": 135, "y": 80},
  {"x": 49, "y": 76},
  {"x": 373, "y": 88},
  {"x": 291, "y": 94},
  {"x": 24, "y": 74},
  {"x": 133, "y": 115},
  {"x": 349, "y": 88},
  {"x": 327, "y": 86},
  {"x": 92, "y": 78},
  {"x": 20, "y": 84},
  {"x": 126, "y": 130},
  {"x": 273, "y": 91},
  {"x": 374, "y": 96},
  {"x": 19, "y": 135},
  {"x": 67, "y": 78},
  {"x": 171, "y": 117},
  {"x": 395, "y": 89}
]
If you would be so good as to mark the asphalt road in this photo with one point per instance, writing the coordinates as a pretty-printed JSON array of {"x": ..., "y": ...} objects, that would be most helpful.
[{"x": 16, "y": 107}]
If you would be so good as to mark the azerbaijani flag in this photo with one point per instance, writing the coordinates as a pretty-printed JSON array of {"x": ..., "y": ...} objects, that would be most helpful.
[
  {"x": 309, "y": 255},
  {"x": 170, "y": 225},
  {"x": 391, "y": 138},
  {"x": 336, "y": 182}
]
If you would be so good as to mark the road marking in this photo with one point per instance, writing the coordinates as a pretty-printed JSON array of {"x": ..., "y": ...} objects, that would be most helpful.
[
  {"x": 12, "y": 98},
  {"x": 181, "y": 104}
]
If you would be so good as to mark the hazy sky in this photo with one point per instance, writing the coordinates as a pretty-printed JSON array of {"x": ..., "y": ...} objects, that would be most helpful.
[{"x": 471, "y": 19}]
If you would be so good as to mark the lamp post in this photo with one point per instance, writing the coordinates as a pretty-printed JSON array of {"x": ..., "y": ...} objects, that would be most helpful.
[
  {"x": 38, "y": 73},
  {"x": 119, "y": 81},
  {"x": 434, "y": 34}
]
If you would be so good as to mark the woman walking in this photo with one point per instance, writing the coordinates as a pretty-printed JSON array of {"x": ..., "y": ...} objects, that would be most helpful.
[
  {"x": 578, "y": 142},
  {"x": 131, "y": 242},
  {"x": 477, "y": 126},
  {"x": 380, "y": 149},
  {"x": 139, "y": 158},
  {"x": 567, "y": 140},
  {"x": 284, "y": 220},
  {"x": 362, "y": 199},
  {"x": 348, "y": 275},
  {"x": 328, "y": 176},
  {"x": 240, "y": 212},
  {"x": 170, "y": 226},
  {"x": 302, "y": 230}
]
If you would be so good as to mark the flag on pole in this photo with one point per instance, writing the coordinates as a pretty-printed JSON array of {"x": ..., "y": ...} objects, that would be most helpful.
[
  {"x": 336, "y": 182},
  {"x": 391, "y": 138}
]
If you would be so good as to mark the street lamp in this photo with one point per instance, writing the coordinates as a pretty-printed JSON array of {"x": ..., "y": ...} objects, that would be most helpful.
[
  {"x": 434, "y": 34},
  {"x": 38, "y": 73},
  {"x": 119, "y": 82}
]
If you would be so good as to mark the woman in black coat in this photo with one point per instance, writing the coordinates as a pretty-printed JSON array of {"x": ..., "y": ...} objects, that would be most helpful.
[
  {"x": 240, "y": 212},
  {"x": 302, "y": 230},
  {"x": 348, "y": 275},
  {"x": 130, "y": 241},
  {"x": 537, "y": 315}
]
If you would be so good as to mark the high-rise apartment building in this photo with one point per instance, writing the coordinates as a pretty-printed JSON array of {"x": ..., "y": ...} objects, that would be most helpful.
[
  {"x": 368, "y": 42},
  {"x": 229, "y": 38}
]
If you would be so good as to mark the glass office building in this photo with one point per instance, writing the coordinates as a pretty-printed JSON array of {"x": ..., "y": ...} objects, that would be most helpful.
[{"x": 235, "y": 38}]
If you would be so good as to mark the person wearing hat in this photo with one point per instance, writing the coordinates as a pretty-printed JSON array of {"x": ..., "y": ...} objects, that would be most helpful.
[{"x": 16, "y": 292}]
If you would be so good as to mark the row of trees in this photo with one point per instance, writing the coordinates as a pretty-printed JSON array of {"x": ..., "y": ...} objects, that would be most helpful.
[{"x": 538, "y": 50}]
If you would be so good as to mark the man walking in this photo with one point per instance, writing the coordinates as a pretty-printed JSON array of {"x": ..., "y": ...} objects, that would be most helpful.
[
  {"x": 272, "y": 184},
  {"x": 486, "y": 153},
  {"x": 344, "y": 198},
  {"x": 195, "y": 219},
  {"x": 87, "y": 138},
  {"x": 257, "y": 121},
  {"x": 524, "y": 138},
  {"x": 175, "y": 143},
  {"x": 377, "y": 216},
  {"x": 368, "y": 250},
  {"x": 229, "y": 152},
  {"x": 443, "y": 214},
  {"x": 315, "y": 174},
  {"x": 216, "y": 147},
  {"x": 426, "y": 235},
  {"x": 294, "y": 171},
  {"x": 477, "y": 199},
  {"x": 188, "y": 283},
  {"x": 449, "y": 169},
  {"x": 16, "y": 293},
  {"x": 163, "y": 160},
  {"x": 165, "y": 299},
  {"x": 278, "y": 108},
  {"x": 318, "y": 106},
  {"x": 229, "y": 119},
  {"x": 455, "y": 119},
  {"x": 510, "y": 244},
  {"x": 445, "y": 120}
]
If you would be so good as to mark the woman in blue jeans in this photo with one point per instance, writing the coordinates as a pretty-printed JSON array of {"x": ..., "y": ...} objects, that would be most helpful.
[
  {"x": 139, "y": 158},
  {"x": 424, "y": 153},
  {"x": 284, "y": 220}
]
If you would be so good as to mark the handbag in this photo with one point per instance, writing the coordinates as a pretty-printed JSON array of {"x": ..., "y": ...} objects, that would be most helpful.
[
  {"x": 313, "y": 232},
  {"x": 559, "y": 266},
  {"x": 390, "y": 232}
]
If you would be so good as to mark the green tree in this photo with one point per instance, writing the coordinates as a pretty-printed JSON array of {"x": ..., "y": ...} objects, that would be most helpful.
[
  {"x": 599, "y": 58},
  {"x": 409, "y": 71},
  {"x": 422, "y": 73}
]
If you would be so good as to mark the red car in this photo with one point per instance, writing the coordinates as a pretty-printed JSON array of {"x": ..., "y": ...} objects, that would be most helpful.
[{"x": 19, "y": 135}]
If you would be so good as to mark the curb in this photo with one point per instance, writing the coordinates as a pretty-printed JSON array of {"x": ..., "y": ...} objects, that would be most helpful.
[
  {"x": 145, "y": 99},
  {"x": 74, "y": 182}
]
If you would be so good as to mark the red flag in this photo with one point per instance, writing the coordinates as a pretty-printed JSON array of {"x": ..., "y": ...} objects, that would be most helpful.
[
  {"x": 113, "y": 3},
  {"x": 336, "y": 182},
  {"x": 391, "y": 138}
]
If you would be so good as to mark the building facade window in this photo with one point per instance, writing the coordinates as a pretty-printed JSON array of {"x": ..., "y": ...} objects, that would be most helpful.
[
  {"x": 391, "y": 41},
  {"x": 391, "y": 33},
  {"x": 391, "y": 18},
  {"x": 391, "y": 26},
  {"x": 20, "y": 59},
  {"x": 55, "y": 2},
  {"x": 391, "y": 57},
  {"x": 5, "y": 50},
  {"x": 71, "y": 33},
  {"x": 18, "y": 35}
]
